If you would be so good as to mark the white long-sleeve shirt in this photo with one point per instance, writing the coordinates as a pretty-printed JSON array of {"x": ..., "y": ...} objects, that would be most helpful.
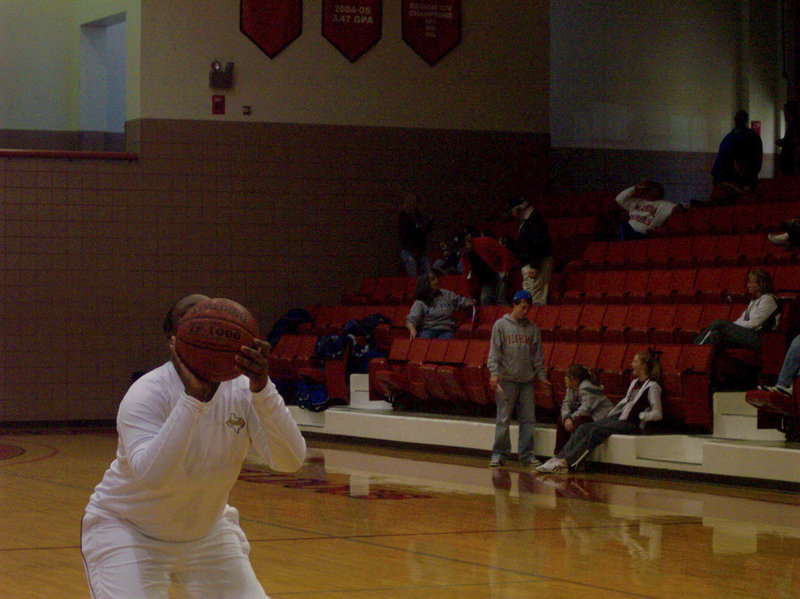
[
  {"x": 757, "y": 312},
  {"x": 178, "y": 458},
  {"x": 644, "y": 215}
]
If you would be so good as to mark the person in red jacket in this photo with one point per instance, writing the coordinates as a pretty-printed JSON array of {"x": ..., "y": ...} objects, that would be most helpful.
[{"x": 487, "y": 264}]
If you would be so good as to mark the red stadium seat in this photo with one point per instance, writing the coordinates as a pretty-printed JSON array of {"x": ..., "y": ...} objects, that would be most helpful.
[
  {"x": 568, "y": 322},
  {"x": 637, "y": 328},
  {"x": 485, "y": 318},
  {"x": 591, "y": 325},
  {"x": 704, "y": 250},
  {"x": 612, "y": 369},
  {"x": 449, "y": 376},
  {"x": 687, "y": 322},
  {"x": 476, "y": 374},
  {"x": 615, "y": 321},
  {"x": 662, "y": 323}
]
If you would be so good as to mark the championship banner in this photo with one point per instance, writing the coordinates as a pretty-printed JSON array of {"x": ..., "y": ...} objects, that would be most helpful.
[
  {"x": 431, "y": 28},
  {"x": 271, "y": 24},
  {"x": 352, "y": 26}
]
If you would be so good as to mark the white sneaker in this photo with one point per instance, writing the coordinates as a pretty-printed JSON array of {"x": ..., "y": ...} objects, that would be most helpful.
[
  {"x": 781, "y": 239},
  {"x": 553, "y": 465},
  {"x": 778, "y": 389},
  {"x": 496, "y": 461}
]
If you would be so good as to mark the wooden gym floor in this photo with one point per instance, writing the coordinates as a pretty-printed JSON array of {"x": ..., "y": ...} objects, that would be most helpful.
[{"x": 366, "y": 523}]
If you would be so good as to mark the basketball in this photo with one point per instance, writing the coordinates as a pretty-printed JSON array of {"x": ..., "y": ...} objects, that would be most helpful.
[{"x": 210, "y": 335}]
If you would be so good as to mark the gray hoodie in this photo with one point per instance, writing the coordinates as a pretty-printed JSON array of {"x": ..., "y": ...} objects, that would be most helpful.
[
  {"x": 515, "y": 351},
  {"x": 589, "y": 401}
]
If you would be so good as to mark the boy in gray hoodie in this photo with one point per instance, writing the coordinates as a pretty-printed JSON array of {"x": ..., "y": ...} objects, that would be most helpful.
[{"x": 515, "y": 360}]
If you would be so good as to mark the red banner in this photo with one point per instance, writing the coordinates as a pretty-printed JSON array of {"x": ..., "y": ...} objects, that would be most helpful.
[
  {"x": 271, "y": 24},
  {"x": 352, "y": 26},
  {"x": 431, "y": 28}
]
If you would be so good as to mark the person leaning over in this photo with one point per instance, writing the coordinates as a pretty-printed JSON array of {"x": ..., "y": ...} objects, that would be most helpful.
[
  {"x": 515, "y": 360},
  {"x": 160, "y": 515}
]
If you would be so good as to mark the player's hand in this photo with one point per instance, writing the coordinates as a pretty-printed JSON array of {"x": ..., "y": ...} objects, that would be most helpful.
[
  {"x": 494, "y": 384},
  {"x": 252, "y": 362},
  {"x": 569, "y": 425},
  {"x": 194, "y": 386}
]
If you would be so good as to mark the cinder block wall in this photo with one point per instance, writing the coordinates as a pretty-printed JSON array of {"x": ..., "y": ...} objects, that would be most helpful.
[{"x": 272, "y": 215}]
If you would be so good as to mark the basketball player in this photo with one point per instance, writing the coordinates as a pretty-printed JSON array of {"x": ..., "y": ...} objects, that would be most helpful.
[{"x": 160, "y": 514}]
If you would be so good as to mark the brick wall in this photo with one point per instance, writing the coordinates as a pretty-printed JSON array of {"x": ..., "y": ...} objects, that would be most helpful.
[{"x": 272, "y": 215}]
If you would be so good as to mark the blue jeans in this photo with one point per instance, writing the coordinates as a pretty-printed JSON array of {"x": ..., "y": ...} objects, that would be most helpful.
[
  {"x": 521, "y": 395},
  {"x": 413, "y": 268},
  {"x": 791, "y": 364},
  {"x": 435, "y": 334},
  {"x": 592, "y": 434}
]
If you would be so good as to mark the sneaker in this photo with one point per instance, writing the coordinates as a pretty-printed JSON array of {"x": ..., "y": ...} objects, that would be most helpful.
[
  {"x": 496, "y": 461},
  {"x": 553, "y": 465},
  {"x": 776, "y": 389},
  {"x": 781, "y": 239},
  {"x": 531, "y": 463}
]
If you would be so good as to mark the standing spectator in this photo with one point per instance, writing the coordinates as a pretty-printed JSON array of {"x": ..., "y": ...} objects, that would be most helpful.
[
  {"x": 584, "y": 401},
  {"x": 641, "y": 404},
  {"x": 534, "y": 250},
  {"x": 431, "y": 315},
  {"x": 738, "y": 160},
  {"x": 647, "y": 209},
  {"x": 790, "y": 153},
  {"x": 487, "y": 264},
  {"x": 515, "y": 359},
  {"x": 414, "y": 229},
  {"x": 761, "y": 314},
  {"x": 161, "y": 512}
]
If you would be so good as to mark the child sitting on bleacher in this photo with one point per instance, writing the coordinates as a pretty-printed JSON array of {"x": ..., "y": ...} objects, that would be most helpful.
[
  {"x": 641, "y": 404},
  {"x": 584, "y": 401}
]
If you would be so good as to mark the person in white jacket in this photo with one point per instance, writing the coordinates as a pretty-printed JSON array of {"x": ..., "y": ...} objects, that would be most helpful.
[
  {"x": 647, "y": 209},
  {"x": 761, "y": 314},
  {"x": 641, "y": 405},
  {"x": 160, "y": 515}
]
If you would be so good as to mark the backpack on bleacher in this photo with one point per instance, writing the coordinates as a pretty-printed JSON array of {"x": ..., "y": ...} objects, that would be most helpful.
[
  {"x": 311, "y": 395},
  {"x": 287, "y": 324}
]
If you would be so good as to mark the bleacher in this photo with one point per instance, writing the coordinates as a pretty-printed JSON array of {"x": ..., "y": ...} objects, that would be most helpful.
[{"x": 610, "y": 299}]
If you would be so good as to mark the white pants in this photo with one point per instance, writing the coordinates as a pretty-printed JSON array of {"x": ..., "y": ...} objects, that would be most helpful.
[{"x": 121, "y": 563}]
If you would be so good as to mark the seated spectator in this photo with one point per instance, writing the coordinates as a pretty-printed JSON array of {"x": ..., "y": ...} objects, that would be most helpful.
[
  {"x": 584, "y": 401},
  {"x": 647, "y": 209},
  {"x": 431, "y": 315},
  {"x": 761, "y": 314},
  {"x": 790, "y": 236},
  {"x": 534, "y": 249},
  {"x": 738, "y": 161},
  {"x": 487, "y": 264},
  {"x": 414, "y": 229},
  {"x": 789, "y": 371},
  {"x": 641, "y": 404}
]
